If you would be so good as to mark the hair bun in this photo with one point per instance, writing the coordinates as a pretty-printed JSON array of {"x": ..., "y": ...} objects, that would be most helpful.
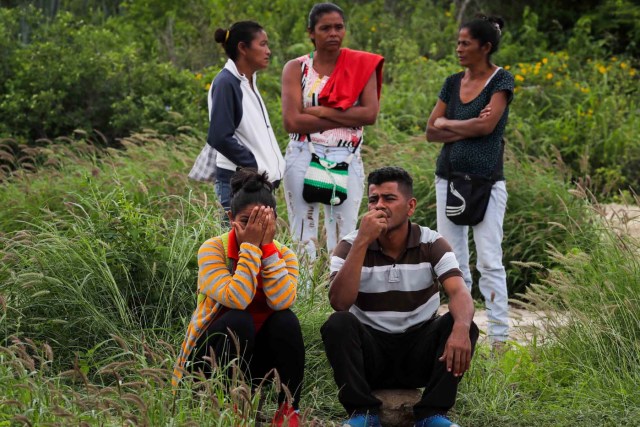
[
  {"x": 220, "y": 35},
  {"x": 497, "y": 21},
  {"x": 249, "y": 180}
]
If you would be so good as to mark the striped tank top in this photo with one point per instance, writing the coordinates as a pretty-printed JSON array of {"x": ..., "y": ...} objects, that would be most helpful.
[{"x": 312, "y": 84}]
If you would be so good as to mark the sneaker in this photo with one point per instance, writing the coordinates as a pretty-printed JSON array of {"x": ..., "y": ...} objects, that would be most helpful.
[
  {"x": 286, "y": 416},
  {"x": 436, "y": 421},
  {"x": 362, "y": 420}
]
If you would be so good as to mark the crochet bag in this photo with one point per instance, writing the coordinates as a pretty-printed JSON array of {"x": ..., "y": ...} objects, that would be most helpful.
[{"x": 326, "y": 181}]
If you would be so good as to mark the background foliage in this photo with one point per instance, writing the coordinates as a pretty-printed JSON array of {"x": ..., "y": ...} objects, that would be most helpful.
[
  {"x": 103, "y": 109},
  {"x": 120, "y": 66}
]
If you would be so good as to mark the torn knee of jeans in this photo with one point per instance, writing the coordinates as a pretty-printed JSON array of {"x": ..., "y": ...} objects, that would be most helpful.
[
  {"x": 339, "y": 223},
  {"x": 310, "y": 212}
]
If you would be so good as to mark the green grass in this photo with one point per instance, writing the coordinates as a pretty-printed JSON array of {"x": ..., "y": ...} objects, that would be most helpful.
[{"x": 98, "y": 278}]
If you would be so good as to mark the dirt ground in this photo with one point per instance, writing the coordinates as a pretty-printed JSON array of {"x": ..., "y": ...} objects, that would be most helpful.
[
  {"x": 624, "y": 218},
  {"x": 524, "y": 325}
]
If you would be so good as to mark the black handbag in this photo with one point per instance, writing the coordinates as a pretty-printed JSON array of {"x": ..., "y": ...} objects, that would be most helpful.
[{"x": 467, "y": 197}]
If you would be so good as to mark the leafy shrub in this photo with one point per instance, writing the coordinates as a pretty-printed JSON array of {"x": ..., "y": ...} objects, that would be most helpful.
[
  {"x": 72, "y": 75},
  {"x": 583, "y": 113}
]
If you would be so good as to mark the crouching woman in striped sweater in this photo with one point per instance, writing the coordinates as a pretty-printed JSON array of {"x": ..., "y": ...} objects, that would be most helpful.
[{"x": 246, "y": 286}]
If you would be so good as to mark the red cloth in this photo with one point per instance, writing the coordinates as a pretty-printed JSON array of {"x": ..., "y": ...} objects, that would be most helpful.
[
  {"x": 349, "y": 77},
  {"x": 258, "y": 307}
]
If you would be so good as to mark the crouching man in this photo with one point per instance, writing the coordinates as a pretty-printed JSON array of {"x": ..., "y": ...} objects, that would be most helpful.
[{"x": 385, "y": 332}]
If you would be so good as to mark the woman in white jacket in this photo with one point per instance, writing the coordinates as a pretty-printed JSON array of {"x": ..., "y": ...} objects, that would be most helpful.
[{"x": 239, "y": 127}]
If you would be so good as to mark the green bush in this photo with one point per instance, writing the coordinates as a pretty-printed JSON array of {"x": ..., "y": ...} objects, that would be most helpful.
[
  {"x": 581, "y": 112},
  {"x": 72, "y": 75}
]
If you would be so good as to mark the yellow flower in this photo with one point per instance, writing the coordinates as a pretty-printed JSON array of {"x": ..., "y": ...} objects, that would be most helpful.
[
  {"x": 536, "y": 69},
  {"x": 198, "y": 76},
  {"x": 544, "y": 61},
  {"x": 549, "y": 76},
  {"x": 207, "y": 86},
  {"x": 585, "y": 89},
  {"x": 602, "y": 69},
  {"x": 614, "y": 58},
  {"x": 373, "y": 29},
  {"x": 519, "y": 78},
  {"x": 632, "y": 72},
  {"x": 447, "y": 14},
  {"x": 507, "y": 67},
  {"x": 524, "y": 70},
  {"x": 623, "y": 65}
]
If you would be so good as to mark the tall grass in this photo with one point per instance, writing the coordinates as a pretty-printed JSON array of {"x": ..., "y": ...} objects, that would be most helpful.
[
  {"x": 581, "y": 368},
  {"x": 97, "y": 287}
]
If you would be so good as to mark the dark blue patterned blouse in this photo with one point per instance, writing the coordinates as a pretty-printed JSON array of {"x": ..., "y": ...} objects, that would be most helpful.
[{"x": 480, "y": 155}]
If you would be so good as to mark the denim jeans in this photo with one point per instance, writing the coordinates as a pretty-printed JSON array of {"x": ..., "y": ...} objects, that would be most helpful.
[
  {"x": 488, "y": 239},
  {"x": 223, "y": 192},
  {"x": 303, "y": 217}
]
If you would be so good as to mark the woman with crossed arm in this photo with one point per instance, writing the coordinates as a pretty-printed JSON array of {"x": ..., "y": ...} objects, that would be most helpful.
[
  {"x": 469, "y": 118},
  {"x": 327, "y": 98}
]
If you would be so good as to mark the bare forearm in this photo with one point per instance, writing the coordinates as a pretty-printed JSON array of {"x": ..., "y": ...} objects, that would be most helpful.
[
  {"x": 461, "y": 308},
  {"x": 441, "y": 135},
  {"x": 307, "y": 123},
  {"x": 346, "y": 284},
  {"x": 353, "y": 117},
  {"x": 470, "y": 128}
]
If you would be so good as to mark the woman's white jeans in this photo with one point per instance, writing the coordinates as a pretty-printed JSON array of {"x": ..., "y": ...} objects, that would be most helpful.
[
  {"x": 488, "y": 239},
  {"x": 303, "y": 217}
]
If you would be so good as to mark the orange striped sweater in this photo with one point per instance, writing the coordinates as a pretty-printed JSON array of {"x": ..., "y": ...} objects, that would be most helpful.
[{"x": 218, "y": 288}]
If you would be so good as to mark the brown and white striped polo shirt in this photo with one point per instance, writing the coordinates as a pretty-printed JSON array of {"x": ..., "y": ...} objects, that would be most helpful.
[{"x": 396, "y": 295}]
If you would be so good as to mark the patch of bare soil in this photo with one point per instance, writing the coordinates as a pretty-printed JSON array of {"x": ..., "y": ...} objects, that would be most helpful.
[
  {"x": 623, "y": 218},
  {"x": 524, "y": 325}
]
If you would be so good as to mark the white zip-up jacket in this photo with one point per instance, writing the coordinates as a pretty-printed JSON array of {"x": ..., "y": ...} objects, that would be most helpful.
[{"x": 239, "y": 126}]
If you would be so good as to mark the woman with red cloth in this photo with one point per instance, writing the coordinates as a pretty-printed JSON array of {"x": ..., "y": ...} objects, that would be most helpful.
[
  {"x": 327, "y": 97},
  {"x": 246, "y": 286}
]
